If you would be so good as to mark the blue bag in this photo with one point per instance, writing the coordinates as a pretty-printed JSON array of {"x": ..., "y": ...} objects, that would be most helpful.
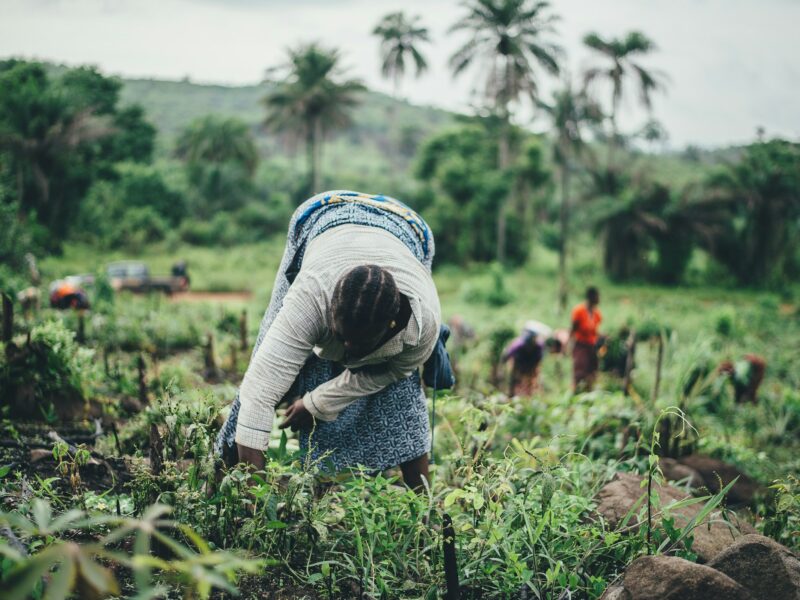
[{"x": 437, "y": 372}]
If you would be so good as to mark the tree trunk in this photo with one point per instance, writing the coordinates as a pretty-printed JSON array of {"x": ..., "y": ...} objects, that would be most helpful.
[
  {"x": 612, "y": 146},
  {"x": 562, "y": 246},
  {"x": 316, "y": 157},
  {"x": 629, "y": 362},
  {"x": 503, "y": 162},
  {"x": 8, "y": 318},
  {"x": 394, "y": 144}
]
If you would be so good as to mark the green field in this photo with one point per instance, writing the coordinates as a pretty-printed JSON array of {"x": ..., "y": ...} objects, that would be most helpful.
[{"x": 518, "y": 476}]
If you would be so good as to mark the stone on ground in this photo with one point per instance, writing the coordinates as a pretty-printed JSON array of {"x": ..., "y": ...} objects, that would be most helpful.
[
  {"x": 617, "y": 498},
  {"x": 768, "y": 570},
  {"x": 717, "y": 474},
  {"x": 673, "y": 578},
  {"x": 675, "y": 471}
]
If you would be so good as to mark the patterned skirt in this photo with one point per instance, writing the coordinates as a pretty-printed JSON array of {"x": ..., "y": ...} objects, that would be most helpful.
[
  {"x": 375, "y": 432},
  {"x": 584, "y": 362}
]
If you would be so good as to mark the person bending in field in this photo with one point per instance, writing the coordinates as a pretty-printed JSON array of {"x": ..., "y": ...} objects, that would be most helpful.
[
  {"x": 586, "y": 319},
  {"x": 525, "y": 353},
  {"x": 746, "y": 376},
  {"x": 354, "y": 313}
]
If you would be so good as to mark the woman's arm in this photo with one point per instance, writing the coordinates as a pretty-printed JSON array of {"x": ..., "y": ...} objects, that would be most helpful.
[
  {"x": 329, "y": 399},
  {"x": 282, "y": 353},
  {"x": 332, "y": 397}
]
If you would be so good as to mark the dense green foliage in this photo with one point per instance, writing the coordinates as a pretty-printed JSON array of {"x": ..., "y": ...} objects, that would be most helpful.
[
  {"x": 651, "y": 224},
  {"x": 58, "y": 136},
  {"x": 220, "y": 159},
  {"x": 135, "y": 209},
  {"x": 464, "y": 194},
  {"x": 759, "y": 241}
]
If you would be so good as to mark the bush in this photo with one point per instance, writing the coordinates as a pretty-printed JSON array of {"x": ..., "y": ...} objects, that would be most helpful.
[
  {"x": 724, "y": 321},
  {"x": 219, "y": 231},
  {"x": 43, "y": 373},
  {"x": 263, "y": 219},
  {"x": 463, "y": 191},
  {"x": 492, "y": 292},
  {"x": 139, "y": 226},
  {"x": 137, "y": 209},
  {"x": 16, "y": 240}
]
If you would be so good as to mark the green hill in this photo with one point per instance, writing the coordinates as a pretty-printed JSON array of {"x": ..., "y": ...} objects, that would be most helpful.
[{"x": 380, "y": 122}]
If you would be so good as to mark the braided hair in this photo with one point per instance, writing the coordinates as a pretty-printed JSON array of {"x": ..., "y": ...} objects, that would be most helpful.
[{"x": 365, "y": 301}]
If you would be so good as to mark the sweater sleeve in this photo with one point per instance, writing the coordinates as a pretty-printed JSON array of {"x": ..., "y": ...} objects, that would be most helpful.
[
  {"x": 282, "y": 353},
  {"x": 329, "y": 399}
]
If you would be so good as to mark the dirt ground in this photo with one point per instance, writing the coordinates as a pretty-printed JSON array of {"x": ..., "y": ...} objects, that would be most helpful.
[{"x": 221, "y": 297}]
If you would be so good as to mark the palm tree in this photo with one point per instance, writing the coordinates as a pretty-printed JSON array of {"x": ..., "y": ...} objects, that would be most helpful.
[
  {"x": 40, "y": 135},
  {"x": 628, "y": 223},
  {"x": 620, "y": 56},
  {"x": 221, "y": 158},
  {"x": 400, "y": 38},
  {"x": 399, "y": 43},
  {"x": 761, "y": 236},
  {"x": 510, "y": 39},
  {"x": 312, "y": 101},
  {"x": 213, "y": 139},
  {"x": 568, "y": 112}
]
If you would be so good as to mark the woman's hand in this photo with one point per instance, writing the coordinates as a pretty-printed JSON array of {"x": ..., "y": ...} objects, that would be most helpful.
[
  {"x": 251, "y": 456},
  {"x": 297, "y": 416}
]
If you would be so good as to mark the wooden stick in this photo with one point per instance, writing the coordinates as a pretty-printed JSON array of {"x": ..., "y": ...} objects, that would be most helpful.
[
  {"x": 450, "y": 563},
  {"x": 81, "y": 334},
  {"x": 142, "y": 382},
  {"x": 156, "y": 451},
  {"x": 659, "y": 360},
  {"x": 8, "y": 318},
  {"x": 631, "y": 345},
  {"x": 243, "y": 331}
]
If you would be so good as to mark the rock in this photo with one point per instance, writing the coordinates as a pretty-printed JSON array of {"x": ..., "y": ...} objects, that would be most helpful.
[
  {"x": 673, "y": 578},
  {"x": 675, "y": 471},
  {"x": 38, "y": 454},
  {"x": 715, "y": 472},
  {"x": 617, "y": 498},
  {"x": 616, "y": 592},
  {"x": 130, "y": 404},
  {"x": 766, "y": 569}
]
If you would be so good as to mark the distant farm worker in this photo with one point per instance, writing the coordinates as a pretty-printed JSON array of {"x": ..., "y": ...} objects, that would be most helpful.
[
  {"x": 586, "y": 319},
  {"x": 525, "y": 353},
  {"x": 354, "y": 313},
  {"x": 461, "y": 335},
  {"x": 746, "y": 376},
  {"x": 65, "y": 294},
  {"x": 180, "y": 271}
]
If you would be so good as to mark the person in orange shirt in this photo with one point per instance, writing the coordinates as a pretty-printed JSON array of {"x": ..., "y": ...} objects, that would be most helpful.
[{"x": 585, "y": 320}]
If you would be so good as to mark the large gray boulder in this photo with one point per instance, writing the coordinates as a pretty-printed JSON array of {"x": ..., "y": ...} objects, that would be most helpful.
[
  {"x": 768, "y": 570},
  {"x": 673, "y": 578},
  {"x": 618, "y": 497}
]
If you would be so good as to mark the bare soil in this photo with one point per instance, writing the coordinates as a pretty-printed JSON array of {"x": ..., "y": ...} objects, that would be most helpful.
[{"x": 221, "y": 297}]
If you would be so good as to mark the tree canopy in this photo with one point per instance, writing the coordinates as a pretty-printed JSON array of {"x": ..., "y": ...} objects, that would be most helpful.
[{"x": 59, "y": 135}]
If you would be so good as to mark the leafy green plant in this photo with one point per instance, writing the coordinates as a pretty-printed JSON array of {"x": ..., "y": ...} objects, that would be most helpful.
[
  {"x": 63, "y": 563},
  {"x": 782, "y": 520}
]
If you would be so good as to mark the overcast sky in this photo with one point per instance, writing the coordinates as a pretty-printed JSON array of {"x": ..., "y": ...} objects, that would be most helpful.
[{"x": 733, "y": 65}]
